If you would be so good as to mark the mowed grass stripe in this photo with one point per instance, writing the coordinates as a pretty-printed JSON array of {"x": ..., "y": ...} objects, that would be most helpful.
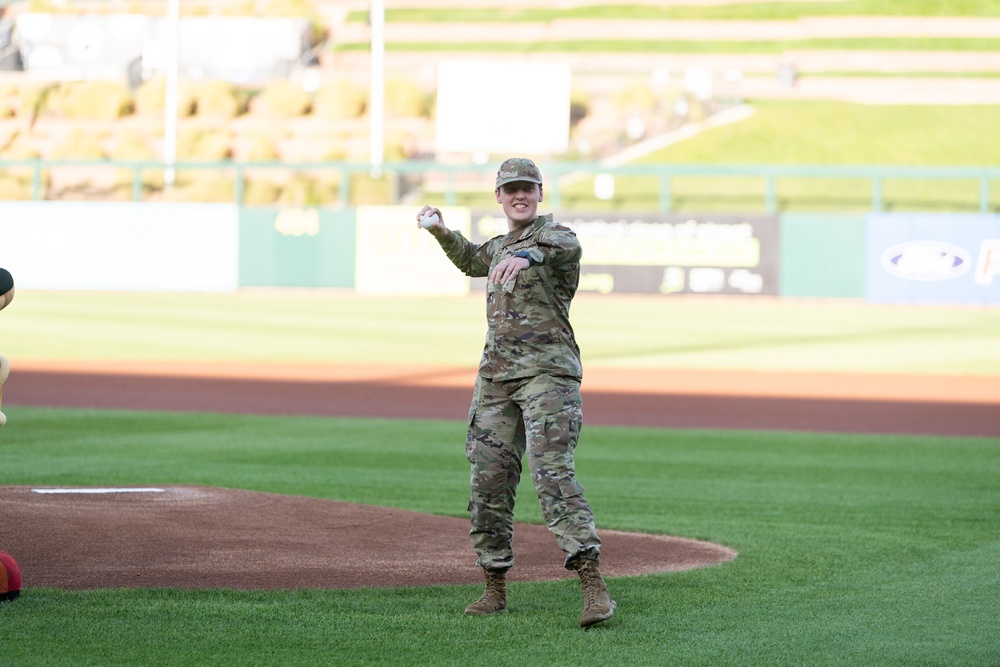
[
  {"x": 648, "y": 331},
  {"x": 966, "y": 44},
  {"x": 758, "y": 11}
]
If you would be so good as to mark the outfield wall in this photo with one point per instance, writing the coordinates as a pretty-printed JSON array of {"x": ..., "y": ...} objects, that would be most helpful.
[
  {"x": 296, "y": 247},
  {"x": 884, "y": 257},
  {"x": 822, "y": 255}
]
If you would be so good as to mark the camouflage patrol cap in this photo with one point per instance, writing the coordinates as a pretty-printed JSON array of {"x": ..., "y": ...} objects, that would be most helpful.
[{"x": 518, "y": 169}]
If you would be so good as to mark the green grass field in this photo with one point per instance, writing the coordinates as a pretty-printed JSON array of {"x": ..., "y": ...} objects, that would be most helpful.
[
  {"x": 824, "y": 133},
  {"x": 842, "y": 133},
  {"x": 316, "y": 327},
  {"x": 854, "y": 549}
]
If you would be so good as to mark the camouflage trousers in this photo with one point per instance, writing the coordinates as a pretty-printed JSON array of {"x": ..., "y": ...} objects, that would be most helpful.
[{"x": 539, "y": 417}]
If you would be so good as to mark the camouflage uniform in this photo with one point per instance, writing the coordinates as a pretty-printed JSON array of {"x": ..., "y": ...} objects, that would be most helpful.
[{"x": 527, "y": 393}]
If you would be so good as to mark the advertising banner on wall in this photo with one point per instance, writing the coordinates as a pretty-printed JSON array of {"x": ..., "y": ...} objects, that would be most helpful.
[
  {"x": 936, "y": 258},
  {"x": 668, "y": 254},
  {"x": 120, "y": 246},
  {"x": 394, "y": 256}
]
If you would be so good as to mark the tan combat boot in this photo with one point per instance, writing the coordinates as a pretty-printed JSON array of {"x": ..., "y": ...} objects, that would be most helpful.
[
  {"x": 597, "y": 603},
  {"x": 494, "y": 598}
]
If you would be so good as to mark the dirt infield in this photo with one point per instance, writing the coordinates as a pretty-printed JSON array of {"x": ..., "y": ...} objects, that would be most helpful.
[
  {"x": 828, "y": 402},
  {"x": 197, "y": 537}
]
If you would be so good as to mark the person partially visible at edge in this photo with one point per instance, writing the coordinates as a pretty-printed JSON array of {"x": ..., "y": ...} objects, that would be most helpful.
[{"x": 526, "y": 399}]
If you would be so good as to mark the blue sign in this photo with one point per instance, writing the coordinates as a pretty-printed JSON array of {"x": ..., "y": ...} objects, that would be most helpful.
[{"x": 930, "y": 257}]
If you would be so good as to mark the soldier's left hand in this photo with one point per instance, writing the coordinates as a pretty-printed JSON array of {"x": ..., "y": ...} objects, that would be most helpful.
[{"x": 507, "y": 269}]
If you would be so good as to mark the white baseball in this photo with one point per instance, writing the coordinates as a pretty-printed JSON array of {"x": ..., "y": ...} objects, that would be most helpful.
[{"x": 429, "y": 219}]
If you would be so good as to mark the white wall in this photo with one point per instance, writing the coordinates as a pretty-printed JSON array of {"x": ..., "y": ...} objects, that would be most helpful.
[{"x": 120, "y": 246}]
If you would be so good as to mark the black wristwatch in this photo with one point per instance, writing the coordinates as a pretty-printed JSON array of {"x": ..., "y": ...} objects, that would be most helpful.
[{"x": 525, "y": 254}]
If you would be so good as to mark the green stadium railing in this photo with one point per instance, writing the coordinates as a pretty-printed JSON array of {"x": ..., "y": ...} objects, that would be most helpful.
[{"x": 558, "y": 174}]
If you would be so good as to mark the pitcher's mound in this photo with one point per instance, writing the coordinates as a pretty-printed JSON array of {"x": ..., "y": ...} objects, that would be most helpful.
[{"x": 202, "y": 537}]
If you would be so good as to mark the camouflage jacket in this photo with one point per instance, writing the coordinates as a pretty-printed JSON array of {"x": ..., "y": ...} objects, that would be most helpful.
[{"x": 529, "y": 330}]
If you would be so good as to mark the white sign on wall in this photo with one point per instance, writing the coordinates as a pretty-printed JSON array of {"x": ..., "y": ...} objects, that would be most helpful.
[
  {"x": 121, "y": 246},
  {"x": 505, "y": 108},
  {"x": 394, "y": 256}
]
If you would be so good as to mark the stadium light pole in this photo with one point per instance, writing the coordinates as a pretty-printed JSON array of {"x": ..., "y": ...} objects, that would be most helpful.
[
  {"x": 376, "y": 103},
  {"x": 170, "y": 101}
]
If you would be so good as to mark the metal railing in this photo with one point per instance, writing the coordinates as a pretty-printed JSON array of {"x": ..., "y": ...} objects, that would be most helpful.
[{"x": 559, "y": 176}]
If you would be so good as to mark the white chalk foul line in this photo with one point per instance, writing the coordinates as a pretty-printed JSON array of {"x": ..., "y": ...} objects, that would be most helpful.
[{"x": 146, "y": 490}]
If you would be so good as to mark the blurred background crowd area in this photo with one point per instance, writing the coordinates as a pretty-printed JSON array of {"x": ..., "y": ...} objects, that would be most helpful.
[{"x": 291, "y": 80}]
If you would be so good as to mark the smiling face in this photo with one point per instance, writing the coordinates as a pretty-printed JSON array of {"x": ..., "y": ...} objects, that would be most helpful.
[{"x": 520, "y": 202}]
